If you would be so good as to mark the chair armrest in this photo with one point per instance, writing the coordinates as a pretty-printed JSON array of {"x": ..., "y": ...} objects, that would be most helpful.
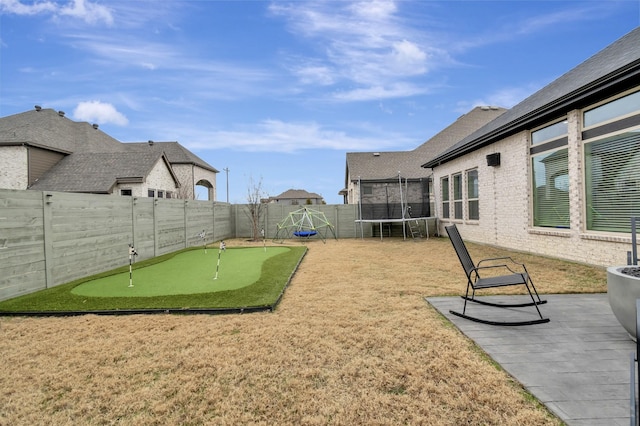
[
  {"x": 501, "y": 258},
  {"x": 478, "y": 268}
]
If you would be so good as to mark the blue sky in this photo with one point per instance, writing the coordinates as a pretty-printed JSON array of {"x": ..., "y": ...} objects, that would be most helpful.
[{"x": 279, "y": 91}]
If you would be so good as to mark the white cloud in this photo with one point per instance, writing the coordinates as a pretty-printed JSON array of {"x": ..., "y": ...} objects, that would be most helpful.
[
  {"x": 315, "y": 74},
  {"x": 17, "y": 8},
  {"x": 365, "y": 44},
  {"x": 376, "y": 9},
  {"x": 393, "y": 90},
  {"x": 99, "y": 112},
  {"x": 271, "y": 135},
  {"x": 408, "y": 57},
  {"x": 85, "y": 10},
  {"x": 89, "y": 12},
  {"x": 506, "y": 97}
]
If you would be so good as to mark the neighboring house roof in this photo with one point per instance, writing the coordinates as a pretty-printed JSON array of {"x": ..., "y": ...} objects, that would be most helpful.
[
  {"x": 176, "y": 153},
  {"x": 94, "y": 161},
  {"x": 46, "y": 128},
  {"x": 386, "y": 165},
  {"x": 296, "y": 194},
  {"x": 99, "y": 172},
  {"x": 610, "y": 71}
]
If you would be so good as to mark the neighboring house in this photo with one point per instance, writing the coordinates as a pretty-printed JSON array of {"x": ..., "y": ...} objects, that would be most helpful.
[
  {"x": 559, "y": 173},
  {"x": 381, "y": 180},
  {"x": 43, "y": 150},
  {"x": 190, "y": 169},
  {"x": 296, "y": 197}
]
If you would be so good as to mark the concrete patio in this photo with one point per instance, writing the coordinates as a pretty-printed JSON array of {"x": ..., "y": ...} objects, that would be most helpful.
[{"x": 578, "y": 364}]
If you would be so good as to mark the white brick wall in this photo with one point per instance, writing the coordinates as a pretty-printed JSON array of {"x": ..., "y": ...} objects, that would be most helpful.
[
  {"x": 13, "y": 167},
  {"x": 506, "y": 203},
  {"x": 190, "y": 175},
  {"x": 159, "y": 178},
  {"x": 209, "y": 176}
]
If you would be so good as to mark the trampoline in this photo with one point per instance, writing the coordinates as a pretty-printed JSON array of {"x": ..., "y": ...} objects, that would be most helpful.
[{"x": 403, "y": 221}]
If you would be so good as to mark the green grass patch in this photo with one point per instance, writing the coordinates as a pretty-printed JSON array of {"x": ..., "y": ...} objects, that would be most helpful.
[{"x": 248, "y": 277}]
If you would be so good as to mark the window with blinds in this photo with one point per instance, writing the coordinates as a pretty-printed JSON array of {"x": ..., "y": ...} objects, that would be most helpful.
[
  {"x": 457, "y": 196},
  {"x": 551, "y": 189},
  {"x": 444, "y": 184},
  {"x": 472, "y": 195},
  {"x": 612, "y": 182},
  {"x": 612, "y": 163},
  {"x": 550, "y": 176}
]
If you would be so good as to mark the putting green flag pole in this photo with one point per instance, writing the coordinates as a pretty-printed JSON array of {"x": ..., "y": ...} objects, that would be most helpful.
[
  {"x": 264, "y": 244},
  {"x": 132, "y": 252},
  {"x": 222, "y": 247}
]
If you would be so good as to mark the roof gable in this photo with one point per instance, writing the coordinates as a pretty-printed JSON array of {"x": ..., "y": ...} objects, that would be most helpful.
[
  {"x": 49, "y": 129},
  {"x": 175, "y": 152},
  {"x": 386, "y": 165},
  {"x": 98, "y": 172},
  {"x": 296, "y": 194}
]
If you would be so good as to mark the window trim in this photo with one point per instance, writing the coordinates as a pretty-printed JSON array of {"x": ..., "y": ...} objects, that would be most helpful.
[
  {"x": 563, "y": 119},
  {"x": 469, "y": 199},
  {"x": 458, "y": 202},
  {"x": 622, "y": 95},
  {"x": 446, "y": 212},
  {"x": 545, "y": 149}
]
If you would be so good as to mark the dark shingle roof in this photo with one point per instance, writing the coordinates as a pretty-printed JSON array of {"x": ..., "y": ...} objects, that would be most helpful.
[
  {"x": 296, "y": 194},
  {"x": 97, "y": 172},
  {"x": 386, "y": 165},
  {"x": 607, "y": 72},
  {"x": 94, "y": 160},
  {"x": 48, "y": 129},
  {"x": 176, "y": 153}
]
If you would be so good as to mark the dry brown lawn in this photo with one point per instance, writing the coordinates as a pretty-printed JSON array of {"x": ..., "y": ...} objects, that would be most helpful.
[{"x": 352, "y": 343}]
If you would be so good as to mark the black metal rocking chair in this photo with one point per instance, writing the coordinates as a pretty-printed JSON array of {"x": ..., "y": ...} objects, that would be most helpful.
[{"x": 475, "y": 282}]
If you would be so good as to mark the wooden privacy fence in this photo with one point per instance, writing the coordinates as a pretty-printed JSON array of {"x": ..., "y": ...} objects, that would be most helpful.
[{"x": 51, "y": 238}]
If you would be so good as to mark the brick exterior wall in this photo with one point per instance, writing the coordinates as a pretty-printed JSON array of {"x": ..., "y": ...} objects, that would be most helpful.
[
  {"x": 189, "y": 175},
  {"x": 14, "y": 167},
  {"x": 159, "y": 178},
  {"x": 505, "y": 204}
]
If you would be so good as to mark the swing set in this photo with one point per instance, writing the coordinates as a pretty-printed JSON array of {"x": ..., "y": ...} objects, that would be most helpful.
[{"x": 304, "y": 223}]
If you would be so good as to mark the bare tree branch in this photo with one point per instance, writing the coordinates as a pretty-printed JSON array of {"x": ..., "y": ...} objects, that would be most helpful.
[{"x": 255, "y": 207}]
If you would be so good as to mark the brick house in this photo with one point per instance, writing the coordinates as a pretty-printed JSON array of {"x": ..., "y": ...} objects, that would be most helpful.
[
  {"x": 294, "y": 197},
  {"x": 374, "y": 179},
  {"x": 43, "y": 150},
  {"x": 559, "y": 173}
]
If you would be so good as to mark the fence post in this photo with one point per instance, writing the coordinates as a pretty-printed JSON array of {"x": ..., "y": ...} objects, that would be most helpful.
[
  {"x": 47, "y": 228},
  {"x": 213, "y": 221},
  {"x": 185, "y": 208},
  {"x": 155, "y": 228}
]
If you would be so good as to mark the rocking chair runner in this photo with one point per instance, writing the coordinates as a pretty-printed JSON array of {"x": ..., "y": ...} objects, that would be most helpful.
[{"x": 476, "y": 282}]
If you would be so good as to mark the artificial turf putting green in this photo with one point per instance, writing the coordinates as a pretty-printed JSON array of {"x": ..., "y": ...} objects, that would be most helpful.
[
  {"x": 274, "y": 270},
  {"x": 190, "y": 272}
]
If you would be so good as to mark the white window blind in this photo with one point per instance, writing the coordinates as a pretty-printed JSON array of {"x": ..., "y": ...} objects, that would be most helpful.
[
  {"x": 612, "y": 182},
  {"x": 551, "y": 189},
  {"x": 457, "y": 196},
  {"x": 472, "y": 195},
  {"x": 445, "y": 197}
]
